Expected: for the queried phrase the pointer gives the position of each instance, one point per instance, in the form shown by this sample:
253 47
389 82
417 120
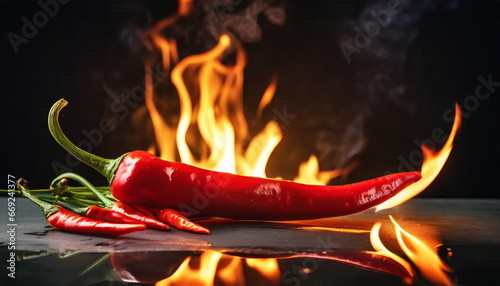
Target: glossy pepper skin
144 179
118 208
173 218
64 219
137 215
176 219
99 213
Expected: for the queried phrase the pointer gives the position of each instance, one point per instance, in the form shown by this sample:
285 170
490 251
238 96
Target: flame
185 7
228 269
309 172
268 96
211 109
433 163
232 273
427 261
382 250
168 50
203 276
161 128
267 267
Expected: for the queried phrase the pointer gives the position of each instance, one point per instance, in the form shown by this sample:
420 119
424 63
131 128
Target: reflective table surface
464 233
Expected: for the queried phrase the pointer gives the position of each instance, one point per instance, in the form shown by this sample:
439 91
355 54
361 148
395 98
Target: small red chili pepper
99 213
135 214
63 219
141 178
146 211
118 207
102 214
172 217
177 220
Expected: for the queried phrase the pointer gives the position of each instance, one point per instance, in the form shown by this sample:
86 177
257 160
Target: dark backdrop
401 85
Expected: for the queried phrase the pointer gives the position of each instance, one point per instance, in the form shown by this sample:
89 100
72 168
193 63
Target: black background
82 48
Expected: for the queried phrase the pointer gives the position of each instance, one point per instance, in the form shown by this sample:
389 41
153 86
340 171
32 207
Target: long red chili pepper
63 219
102 214
141 178
118 207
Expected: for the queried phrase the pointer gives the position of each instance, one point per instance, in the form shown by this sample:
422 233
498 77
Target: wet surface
466 234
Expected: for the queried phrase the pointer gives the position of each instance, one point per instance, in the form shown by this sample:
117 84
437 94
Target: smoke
380 39
240 18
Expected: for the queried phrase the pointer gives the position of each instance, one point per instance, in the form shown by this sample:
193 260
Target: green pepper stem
80 211
47 208
106 167
31 191
107 202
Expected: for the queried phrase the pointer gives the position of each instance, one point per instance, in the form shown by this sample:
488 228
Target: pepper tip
418 174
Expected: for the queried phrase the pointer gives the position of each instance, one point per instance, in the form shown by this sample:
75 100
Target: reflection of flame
185 275
267 267
228 269
427 261
382 250
433 163
211 109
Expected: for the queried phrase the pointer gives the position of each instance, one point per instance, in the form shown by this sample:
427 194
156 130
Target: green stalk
47 208
31 191
107 202
106 167
80 211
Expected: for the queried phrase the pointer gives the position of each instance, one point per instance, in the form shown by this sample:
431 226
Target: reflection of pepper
146 267
141 178
364 259
63 219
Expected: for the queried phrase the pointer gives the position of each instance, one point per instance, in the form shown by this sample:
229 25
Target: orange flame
203 276
232 272
427 261
228 269
268 96
161 128
433 163
267 267
382 250
309 172
211 109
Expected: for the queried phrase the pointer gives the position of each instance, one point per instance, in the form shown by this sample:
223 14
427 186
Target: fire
267 267
226 268
309 173
185 275
382 250
433 163
212 131
268 96
427 261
